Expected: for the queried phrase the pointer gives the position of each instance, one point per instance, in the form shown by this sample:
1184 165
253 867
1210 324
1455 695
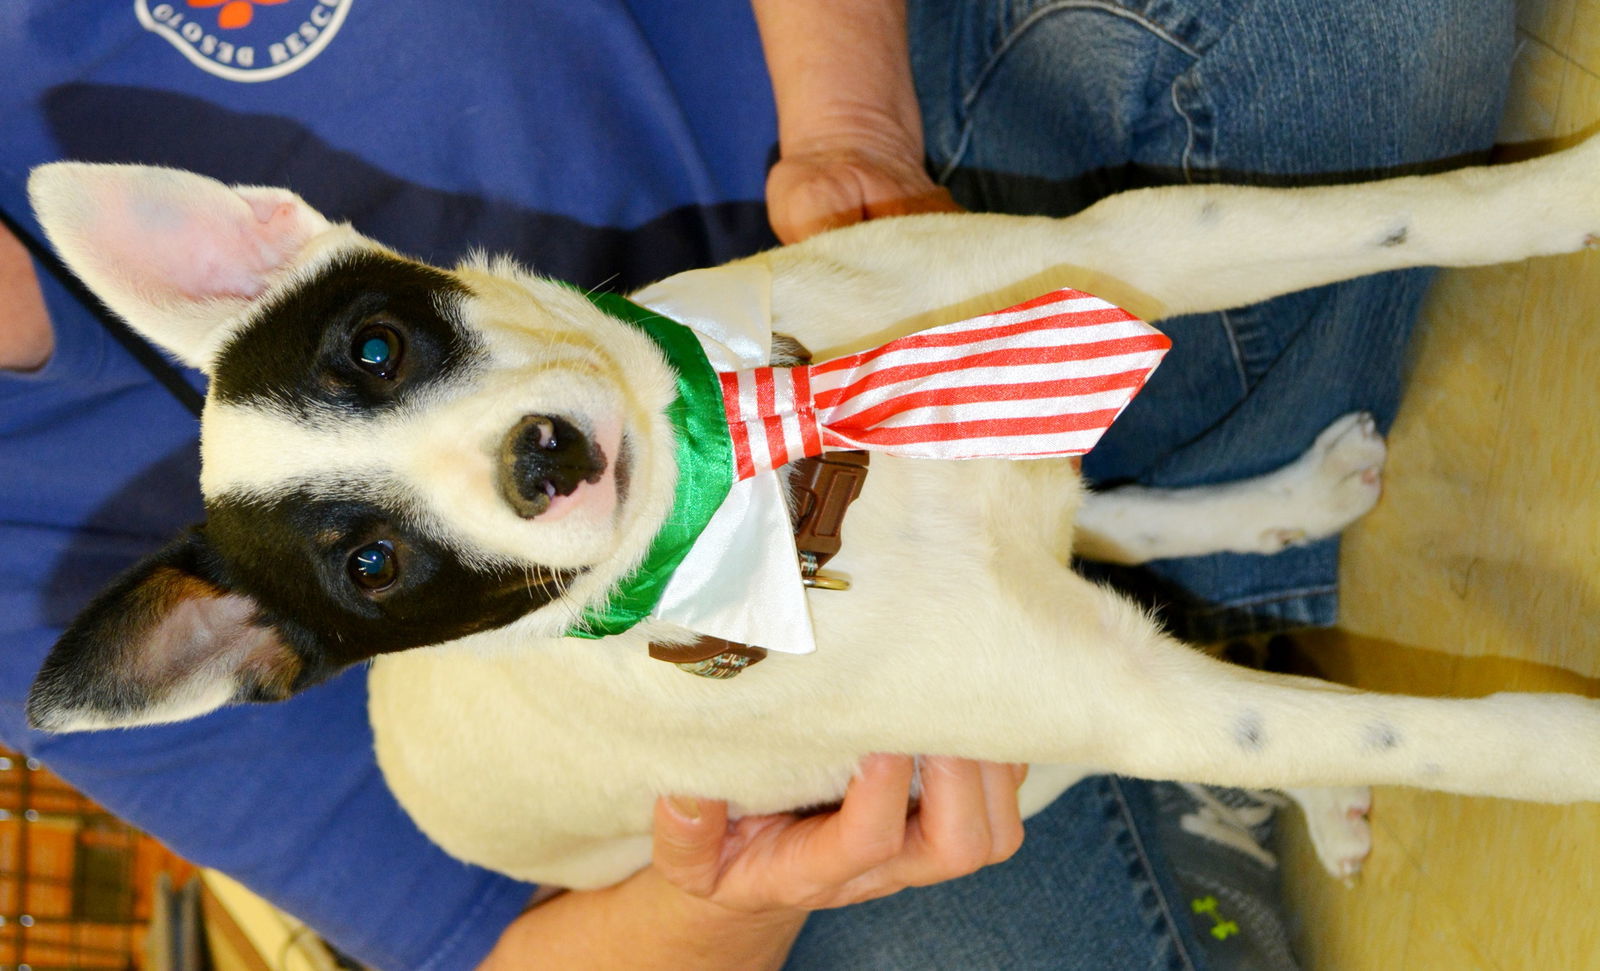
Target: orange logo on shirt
234 13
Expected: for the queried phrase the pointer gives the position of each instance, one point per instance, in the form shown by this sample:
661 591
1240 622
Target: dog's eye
374 567
377 350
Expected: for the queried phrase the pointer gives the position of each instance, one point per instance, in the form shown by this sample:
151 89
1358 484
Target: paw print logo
235 13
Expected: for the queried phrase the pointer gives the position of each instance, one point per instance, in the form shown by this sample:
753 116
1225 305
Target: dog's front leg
1333 484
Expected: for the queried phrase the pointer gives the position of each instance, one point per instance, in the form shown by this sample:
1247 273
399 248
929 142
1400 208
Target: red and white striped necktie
1044 378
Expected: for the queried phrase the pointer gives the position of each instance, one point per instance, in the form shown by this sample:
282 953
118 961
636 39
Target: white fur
184 252
1335 482
965 633
944 646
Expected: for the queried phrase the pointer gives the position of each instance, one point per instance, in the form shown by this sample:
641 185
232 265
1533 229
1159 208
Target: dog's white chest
544 760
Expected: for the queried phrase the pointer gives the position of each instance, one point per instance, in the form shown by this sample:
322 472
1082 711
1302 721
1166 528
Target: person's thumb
689 834
805 198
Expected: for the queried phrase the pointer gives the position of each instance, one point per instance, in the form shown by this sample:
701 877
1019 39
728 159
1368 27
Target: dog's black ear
165 643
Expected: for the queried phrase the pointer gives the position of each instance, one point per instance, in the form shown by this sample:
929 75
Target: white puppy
364 409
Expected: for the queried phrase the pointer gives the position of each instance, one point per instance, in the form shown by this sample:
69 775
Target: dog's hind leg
1333 484
1166 711
1179 249
1205 248
1024 661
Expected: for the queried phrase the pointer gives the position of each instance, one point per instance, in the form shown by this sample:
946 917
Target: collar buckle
821 489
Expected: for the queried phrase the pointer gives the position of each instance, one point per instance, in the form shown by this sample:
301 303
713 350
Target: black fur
290 553
261 597
305 618
296 353
101 663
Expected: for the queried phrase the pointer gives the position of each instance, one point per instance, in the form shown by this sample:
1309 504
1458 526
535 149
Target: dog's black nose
546 456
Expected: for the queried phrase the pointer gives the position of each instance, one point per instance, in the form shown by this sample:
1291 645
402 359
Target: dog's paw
1350 446
1337 822
1336 482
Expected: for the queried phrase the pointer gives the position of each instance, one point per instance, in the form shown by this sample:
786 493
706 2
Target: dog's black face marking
312 564
367 333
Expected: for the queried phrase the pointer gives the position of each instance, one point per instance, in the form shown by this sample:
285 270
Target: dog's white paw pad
1340 833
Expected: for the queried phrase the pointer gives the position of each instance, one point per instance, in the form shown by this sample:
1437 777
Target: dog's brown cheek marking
165 588
275 678
1249 733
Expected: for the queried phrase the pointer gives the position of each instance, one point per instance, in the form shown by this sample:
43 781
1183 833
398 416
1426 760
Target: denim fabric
1091 888
1043 106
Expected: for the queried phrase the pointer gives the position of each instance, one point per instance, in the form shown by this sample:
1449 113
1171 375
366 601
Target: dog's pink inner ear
223 244
204 631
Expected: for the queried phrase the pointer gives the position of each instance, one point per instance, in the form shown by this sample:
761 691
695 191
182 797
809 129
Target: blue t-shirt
596 141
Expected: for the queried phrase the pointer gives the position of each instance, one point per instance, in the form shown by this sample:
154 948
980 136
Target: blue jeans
1091 888
1043 106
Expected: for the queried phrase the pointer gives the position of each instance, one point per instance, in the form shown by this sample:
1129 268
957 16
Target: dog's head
394 455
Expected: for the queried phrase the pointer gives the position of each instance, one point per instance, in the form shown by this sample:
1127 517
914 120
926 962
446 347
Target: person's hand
821 188
849 129
25 336
871 847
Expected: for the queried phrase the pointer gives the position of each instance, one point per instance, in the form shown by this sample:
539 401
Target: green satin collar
705 468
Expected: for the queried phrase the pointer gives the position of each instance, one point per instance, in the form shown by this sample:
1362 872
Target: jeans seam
1188 136
970 97
1149 868
956 154
1227 317
1276 597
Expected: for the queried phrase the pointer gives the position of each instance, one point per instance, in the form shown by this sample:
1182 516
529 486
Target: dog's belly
544 760
514 764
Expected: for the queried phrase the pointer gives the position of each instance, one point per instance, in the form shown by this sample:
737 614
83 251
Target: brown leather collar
821 490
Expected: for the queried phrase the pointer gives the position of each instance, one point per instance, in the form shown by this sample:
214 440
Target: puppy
356 436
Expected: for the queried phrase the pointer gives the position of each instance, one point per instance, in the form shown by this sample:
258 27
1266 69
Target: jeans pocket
1038 106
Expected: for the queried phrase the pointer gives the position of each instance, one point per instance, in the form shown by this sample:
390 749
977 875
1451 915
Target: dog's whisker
540 585
574 610
600 286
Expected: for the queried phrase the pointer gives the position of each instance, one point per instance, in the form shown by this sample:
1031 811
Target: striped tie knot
1044 378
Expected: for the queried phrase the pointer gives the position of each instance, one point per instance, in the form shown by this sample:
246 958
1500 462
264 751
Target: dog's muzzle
545 456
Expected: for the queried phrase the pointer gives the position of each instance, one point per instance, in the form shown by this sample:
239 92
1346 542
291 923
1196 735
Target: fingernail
684 808
877 763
